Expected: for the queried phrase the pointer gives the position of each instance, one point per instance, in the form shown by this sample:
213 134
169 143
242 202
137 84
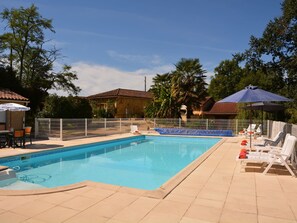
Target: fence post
179 122
36 128
268 128
61 129
105 124
236 126
86 127
154 123
206 124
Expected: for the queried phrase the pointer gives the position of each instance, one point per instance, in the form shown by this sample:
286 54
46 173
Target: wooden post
86 127
120 124
36 128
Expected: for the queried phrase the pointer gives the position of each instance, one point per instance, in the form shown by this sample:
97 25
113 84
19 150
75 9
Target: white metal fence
65 129
273 127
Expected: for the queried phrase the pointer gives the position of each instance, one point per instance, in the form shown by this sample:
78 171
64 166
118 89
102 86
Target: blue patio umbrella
253 94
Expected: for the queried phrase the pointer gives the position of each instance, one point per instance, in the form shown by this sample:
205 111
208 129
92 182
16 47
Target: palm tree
163 105
188 85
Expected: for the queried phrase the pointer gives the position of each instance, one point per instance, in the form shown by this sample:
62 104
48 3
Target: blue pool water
144 162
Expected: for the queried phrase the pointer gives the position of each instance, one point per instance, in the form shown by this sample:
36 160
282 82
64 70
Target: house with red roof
16 118
222 111
125 103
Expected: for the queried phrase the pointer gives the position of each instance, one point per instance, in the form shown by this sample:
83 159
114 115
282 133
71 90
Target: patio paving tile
11 217
156 217
85 217
56 214
209 203
192 220
121 198
79 203
274 208
11 202
115 221
216 186
204 213
180 198
98 194
288 184
32 208
32 220
241 203
193 181
267 219
2 210
212 194
168 207
137 210
186 191
56 198
230 216
110 207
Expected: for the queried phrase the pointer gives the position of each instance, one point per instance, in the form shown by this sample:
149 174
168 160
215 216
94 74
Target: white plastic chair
134 129
250 128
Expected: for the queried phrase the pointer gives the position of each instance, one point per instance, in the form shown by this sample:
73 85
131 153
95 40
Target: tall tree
23 51
23 46
63 107
276 53
26 27
226 79
270 62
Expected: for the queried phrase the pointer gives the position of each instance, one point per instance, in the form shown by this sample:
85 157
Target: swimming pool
143 162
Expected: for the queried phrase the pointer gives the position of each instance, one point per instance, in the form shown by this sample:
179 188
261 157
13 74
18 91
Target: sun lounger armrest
267 148
275 148
276 152
281 155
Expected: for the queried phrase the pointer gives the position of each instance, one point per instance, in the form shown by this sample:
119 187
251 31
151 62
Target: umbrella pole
9 120
262 122
250 125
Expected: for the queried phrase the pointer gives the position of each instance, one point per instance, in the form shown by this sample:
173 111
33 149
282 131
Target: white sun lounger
279 156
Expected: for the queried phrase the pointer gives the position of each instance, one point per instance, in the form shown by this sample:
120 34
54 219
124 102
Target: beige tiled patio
219 190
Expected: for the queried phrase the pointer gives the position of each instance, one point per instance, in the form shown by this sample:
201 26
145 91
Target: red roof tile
121 92
223 108
6 94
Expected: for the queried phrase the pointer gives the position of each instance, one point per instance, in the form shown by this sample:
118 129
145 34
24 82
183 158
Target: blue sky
115 43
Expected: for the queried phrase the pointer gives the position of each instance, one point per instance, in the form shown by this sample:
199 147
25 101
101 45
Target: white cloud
208 76
96 78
